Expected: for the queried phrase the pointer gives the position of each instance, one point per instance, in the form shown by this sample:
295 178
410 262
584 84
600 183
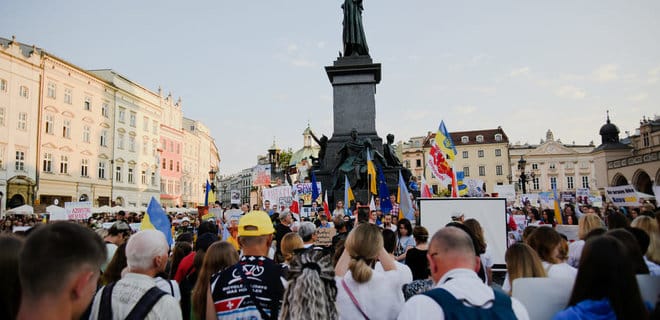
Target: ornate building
200 157
171 152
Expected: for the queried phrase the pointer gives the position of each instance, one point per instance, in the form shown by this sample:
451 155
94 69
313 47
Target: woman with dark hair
547 244
616 220
181 249
10 286
218 256
416 257
534 217
548 217
605 286
312 290
406 241
569 215
117 264
633 252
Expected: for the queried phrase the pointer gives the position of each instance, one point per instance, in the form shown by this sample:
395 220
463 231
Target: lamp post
523 177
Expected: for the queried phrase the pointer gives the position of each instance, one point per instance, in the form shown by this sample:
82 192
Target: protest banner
303 191
623 196
78 210
531 198
261 175
570 231
280 196
582 195
324 236
217 213
235 197
567 196
475 187
546 200
507 191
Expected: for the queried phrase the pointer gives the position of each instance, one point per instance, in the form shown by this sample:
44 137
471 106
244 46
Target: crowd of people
268 263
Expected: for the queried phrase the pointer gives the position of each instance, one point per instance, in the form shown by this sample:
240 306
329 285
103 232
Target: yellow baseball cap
254 224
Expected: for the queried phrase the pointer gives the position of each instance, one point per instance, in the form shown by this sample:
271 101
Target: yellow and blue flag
405 204
348 193
156 219
444 141
371 171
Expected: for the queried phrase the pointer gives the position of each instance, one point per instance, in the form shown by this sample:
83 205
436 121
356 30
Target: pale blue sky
252 70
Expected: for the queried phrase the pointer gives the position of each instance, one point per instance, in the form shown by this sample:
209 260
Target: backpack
139 311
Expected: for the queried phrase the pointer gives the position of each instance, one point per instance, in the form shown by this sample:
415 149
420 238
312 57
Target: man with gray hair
458 291
136 295
307 231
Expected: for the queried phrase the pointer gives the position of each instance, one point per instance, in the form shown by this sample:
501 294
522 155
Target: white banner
623 196
507 191
78 210
532 198
278 196
235 197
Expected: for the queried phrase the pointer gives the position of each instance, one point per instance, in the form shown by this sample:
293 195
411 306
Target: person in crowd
416 257
218 257
406 241
395 206
190 274
267 208
339 211
548 217
586 224
569 214
362 291
311 291
633 251
116 266
323 222
58 269
342 231
533 217
563 248
10 286
616 220
485 257
258 295
605 286
307 232
547 242
521 262
116 236
389 243
650 225
180 251
291 242
284 227
643 240
459 293
527 232
186 263
136 293
387 223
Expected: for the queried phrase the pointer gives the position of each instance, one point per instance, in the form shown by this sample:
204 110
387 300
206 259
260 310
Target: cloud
571 92
607 72
524 71
638 97
465 110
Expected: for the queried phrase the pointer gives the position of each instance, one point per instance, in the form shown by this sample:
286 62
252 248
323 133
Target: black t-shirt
231 297
419 265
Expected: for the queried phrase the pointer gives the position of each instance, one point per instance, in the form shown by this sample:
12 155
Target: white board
490 212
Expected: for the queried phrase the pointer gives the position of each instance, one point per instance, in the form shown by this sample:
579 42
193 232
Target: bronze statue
323 143
391 159
355 42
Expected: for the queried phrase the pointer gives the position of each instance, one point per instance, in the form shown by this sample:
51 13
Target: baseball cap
255 223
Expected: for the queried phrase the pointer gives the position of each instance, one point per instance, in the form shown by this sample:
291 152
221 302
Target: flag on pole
462 187
326 207
405 204
426 190
294 208
558 218
315 188
371 171
206 193
383 192
348 193
444 141
156 218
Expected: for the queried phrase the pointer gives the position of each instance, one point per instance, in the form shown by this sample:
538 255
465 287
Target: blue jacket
587 309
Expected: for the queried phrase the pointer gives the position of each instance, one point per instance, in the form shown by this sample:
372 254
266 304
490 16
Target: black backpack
139 311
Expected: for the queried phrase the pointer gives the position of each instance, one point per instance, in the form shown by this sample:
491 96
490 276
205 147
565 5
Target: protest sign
531 198
622 196
78 210
570 231
261 175
475 187
235 197
278 195
582 195
507 191
324 236
567 196
546 199
304 191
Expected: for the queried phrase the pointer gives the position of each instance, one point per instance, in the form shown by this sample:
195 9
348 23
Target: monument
354 77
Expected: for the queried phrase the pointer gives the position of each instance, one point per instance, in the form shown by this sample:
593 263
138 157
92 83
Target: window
178 151
120 141
87 105
52 89
131 143
118 174
48 162
178 166
87 133
121 115
465 139
145 146
153 178
104 109
163 145
498 169
67 96
171 146
104 138
645 139
585 182
20 161
164 164
2 117
22 121
84 166
465 154
480 138
535 183
143 177
3 150
569 182
482 171
553 183
154 127
66 129
162 186
3 85
130 175
552 166
24 92
50 123
535 166
145 124
466 171
101 169
64 164
133 119
498 137
498 152
480 153
418 162
171 165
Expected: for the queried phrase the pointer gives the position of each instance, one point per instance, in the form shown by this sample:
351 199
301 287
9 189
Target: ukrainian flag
371 171
443 140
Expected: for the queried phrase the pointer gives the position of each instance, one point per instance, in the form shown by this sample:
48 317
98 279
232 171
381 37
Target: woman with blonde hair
486 257
547 242
290 243
362 292
219 256
586 224
649 225
522 262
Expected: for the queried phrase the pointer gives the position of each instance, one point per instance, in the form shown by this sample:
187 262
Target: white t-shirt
574 253
172 290
559 270
486 261
110 250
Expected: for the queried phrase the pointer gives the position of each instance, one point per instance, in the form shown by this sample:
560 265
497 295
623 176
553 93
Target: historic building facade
196 169
171 153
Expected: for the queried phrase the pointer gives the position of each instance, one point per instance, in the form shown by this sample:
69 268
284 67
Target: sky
253 71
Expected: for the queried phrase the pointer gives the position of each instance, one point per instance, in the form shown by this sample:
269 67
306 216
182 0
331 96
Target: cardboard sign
623 196
78 210
324 236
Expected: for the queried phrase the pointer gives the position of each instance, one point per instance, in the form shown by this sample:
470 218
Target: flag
558 217
326 207
348 193
294 206
437 162
461 187
372 204
371 172
405 204
383 192
426 190
206 193
315 188
156 218
443 140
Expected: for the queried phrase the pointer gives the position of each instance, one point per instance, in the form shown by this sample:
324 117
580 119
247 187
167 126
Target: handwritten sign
582 195
324 236
274 195
78 210
507 191
622 196
304 191
570 231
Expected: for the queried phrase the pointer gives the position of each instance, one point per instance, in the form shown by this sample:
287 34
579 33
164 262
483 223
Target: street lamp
523 177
